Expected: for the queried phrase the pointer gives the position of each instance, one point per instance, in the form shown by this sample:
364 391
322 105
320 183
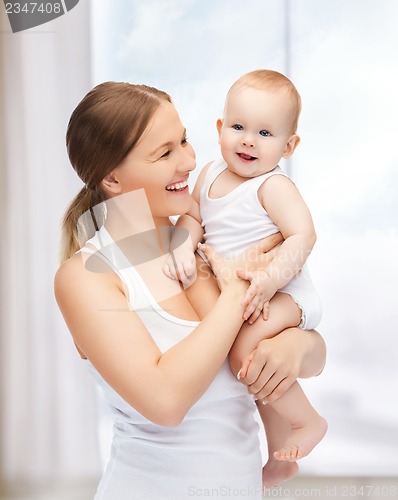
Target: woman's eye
237 126
169 151
166 154
265 133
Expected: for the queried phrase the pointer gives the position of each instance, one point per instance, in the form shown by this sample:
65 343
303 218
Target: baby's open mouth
246 157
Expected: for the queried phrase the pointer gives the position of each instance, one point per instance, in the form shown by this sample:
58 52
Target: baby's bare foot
302 440
275 472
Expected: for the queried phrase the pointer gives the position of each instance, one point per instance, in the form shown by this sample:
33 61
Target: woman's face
160 164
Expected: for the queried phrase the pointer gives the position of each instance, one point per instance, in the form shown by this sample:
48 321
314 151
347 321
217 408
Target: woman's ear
111 185
291 145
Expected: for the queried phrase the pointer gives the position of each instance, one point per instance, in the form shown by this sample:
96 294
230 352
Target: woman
184 425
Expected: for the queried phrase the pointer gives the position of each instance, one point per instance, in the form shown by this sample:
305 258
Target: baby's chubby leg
278 431
299 427
283 313
307 426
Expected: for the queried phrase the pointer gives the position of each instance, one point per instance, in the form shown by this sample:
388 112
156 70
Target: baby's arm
181 264
287 209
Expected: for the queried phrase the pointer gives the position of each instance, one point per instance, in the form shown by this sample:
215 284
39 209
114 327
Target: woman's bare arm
161 386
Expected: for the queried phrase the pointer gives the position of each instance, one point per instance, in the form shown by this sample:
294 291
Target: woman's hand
251 266
246 265
260 254
270 370
277 362
224 270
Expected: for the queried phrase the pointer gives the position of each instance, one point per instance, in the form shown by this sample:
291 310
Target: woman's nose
187 161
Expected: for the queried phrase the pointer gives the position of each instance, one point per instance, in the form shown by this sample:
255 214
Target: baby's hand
181 265
258 295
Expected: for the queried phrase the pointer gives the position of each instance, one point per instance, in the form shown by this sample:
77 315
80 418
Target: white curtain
48 404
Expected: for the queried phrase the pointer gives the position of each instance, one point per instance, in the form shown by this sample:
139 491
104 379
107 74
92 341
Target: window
345 167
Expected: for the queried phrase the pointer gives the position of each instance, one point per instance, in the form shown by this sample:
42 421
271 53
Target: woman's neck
140 236
129 214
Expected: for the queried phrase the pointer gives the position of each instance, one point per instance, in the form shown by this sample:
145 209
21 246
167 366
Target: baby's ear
219 127
291 145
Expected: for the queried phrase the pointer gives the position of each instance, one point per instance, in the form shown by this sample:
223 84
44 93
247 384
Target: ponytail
83 217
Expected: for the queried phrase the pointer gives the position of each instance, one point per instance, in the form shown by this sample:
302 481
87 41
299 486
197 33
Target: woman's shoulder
83 272
70 268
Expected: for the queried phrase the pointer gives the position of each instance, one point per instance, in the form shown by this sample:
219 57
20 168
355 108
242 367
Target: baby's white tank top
235 221
214 451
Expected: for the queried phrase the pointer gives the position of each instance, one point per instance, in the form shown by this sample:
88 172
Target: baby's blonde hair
267 79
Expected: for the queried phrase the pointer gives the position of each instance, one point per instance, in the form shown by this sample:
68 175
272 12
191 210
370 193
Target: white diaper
303 292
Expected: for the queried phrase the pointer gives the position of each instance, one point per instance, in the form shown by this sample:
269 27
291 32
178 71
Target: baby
239 200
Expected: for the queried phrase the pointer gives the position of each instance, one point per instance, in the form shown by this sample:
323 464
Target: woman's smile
178 187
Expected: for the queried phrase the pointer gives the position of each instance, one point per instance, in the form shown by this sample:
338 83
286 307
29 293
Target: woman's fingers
264 245
273 390
270 242
270 381
261 365
244 275
278 391
258 376
245 365
266 378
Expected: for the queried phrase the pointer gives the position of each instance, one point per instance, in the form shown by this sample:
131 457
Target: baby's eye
265 133
237 126
184 141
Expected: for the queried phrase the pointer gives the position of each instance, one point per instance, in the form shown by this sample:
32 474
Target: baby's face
255 131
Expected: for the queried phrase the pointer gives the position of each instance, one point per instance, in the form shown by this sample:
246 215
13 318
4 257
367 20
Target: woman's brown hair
102 130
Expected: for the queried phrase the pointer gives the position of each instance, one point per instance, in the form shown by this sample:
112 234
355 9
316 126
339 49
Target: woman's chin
180 202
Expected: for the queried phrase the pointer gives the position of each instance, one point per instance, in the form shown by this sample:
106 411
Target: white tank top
215 448
235 221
